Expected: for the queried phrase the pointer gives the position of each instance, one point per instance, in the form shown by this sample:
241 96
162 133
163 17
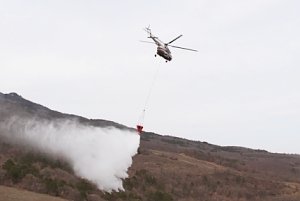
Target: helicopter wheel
166 61
155 55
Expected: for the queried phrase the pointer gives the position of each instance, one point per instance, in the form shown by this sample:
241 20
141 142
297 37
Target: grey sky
85 58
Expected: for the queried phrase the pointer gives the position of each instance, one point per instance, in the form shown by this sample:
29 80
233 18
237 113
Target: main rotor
160 43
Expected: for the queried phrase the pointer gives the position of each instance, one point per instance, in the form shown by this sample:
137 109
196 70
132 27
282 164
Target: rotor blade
146 42
173 40
183 48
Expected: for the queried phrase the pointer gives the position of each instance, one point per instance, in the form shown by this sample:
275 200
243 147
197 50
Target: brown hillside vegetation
188 170
166 168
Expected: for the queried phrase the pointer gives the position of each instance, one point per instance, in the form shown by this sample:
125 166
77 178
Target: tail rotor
148 30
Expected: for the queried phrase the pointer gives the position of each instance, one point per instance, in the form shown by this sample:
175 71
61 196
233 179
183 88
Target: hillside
166 168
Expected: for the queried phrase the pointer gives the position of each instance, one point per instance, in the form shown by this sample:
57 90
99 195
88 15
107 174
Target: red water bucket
139 129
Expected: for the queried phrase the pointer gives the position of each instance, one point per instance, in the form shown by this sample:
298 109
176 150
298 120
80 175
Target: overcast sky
241 88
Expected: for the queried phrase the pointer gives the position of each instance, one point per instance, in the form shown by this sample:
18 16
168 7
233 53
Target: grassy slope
14 194
176 169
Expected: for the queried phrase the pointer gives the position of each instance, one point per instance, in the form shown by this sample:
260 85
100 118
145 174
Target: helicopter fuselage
162 49
164 52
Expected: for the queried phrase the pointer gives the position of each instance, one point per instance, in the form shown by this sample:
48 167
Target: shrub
84 187
16 171
13 171
159 195
30 158
53 186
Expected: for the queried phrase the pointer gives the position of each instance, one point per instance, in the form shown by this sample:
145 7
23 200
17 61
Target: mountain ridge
166 168
16 102
100 122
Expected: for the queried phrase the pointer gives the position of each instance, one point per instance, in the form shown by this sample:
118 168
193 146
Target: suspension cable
142 116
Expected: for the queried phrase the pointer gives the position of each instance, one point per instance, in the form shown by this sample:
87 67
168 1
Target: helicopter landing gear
166 61
155 55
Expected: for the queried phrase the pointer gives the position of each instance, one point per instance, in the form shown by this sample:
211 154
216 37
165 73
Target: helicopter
162 48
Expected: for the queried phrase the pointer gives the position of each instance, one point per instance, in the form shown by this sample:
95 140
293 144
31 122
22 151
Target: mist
100 155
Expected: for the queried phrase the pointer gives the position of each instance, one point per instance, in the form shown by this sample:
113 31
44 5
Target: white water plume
100 155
